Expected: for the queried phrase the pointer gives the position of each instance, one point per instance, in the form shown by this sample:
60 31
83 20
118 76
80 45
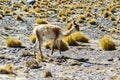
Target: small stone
111 59
31 1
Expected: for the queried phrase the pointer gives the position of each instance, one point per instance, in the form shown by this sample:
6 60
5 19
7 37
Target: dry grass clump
68 26
18 5
12 13
69 40
92 21
25 9
32 38
88 14
32 64
1 16
81 18
111 8
63 18
79 37
19 18
6 11
12 42
62 13
8 28
114 31
37 9
69 11
79 6
41 21
8 69
106 14
47 74
63 45
112 18
107 43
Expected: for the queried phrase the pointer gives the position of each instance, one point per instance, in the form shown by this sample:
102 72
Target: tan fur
52 32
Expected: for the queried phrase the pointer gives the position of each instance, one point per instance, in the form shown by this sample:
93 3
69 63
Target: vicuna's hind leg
53 43
59 47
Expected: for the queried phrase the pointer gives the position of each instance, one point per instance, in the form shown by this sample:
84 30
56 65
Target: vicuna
52 32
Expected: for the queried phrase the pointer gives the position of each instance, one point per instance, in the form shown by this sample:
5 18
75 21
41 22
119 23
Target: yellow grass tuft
32 38
107 43
92 21
79 6
81 18
106 14
68 26
25 9
41 21
112 18
38 10
88 14
1 16
63 45
62 13
8 69
79 37
69 40
12 42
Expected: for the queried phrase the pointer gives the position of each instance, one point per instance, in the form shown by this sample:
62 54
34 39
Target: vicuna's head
75 26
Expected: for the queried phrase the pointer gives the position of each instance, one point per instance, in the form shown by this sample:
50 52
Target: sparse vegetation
25 9
69 40
32 38
68 26
79 37
107 43
7 69
12 42
1 16
106 14
92 21
41 21
38 10
63 45
81 18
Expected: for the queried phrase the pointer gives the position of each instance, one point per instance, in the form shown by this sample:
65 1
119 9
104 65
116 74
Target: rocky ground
87 61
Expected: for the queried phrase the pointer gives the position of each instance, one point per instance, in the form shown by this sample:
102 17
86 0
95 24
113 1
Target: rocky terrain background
87 61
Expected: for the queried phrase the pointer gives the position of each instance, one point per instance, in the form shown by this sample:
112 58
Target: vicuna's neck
68 32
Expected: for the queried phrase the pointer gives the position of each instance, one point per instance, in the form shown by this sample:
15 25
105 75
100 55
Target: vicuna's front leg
34 51
40 39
